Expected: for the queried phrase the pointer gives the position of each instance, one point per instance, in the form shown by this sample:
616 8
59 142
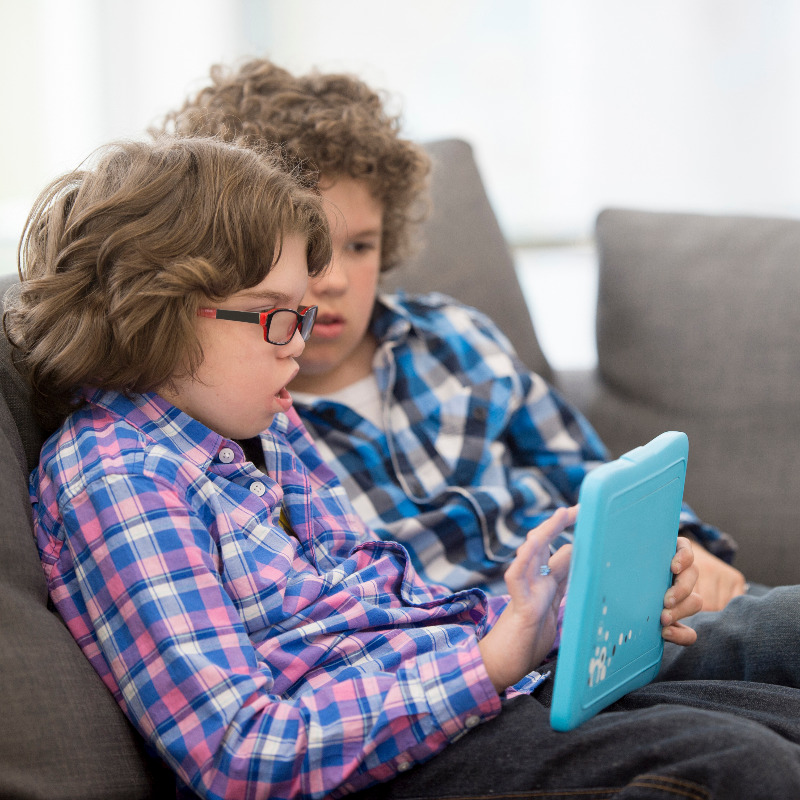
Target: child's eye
359 248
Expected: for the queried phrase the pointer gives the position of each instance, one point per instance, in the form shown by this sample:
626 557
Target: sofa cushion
693 307
698 329
17 396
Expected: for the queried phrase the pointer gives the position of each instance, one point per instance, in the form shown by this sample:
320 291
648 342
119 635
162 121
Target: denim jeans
722 720
754 638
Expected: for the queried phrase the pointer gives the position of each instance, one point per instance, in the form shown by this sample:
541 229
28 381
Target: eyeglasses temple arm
238 316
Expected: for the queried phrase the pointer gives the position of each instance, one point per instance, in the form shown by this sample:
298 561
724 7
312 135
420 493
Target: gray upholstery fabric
698 329
465 254
62 736
17 398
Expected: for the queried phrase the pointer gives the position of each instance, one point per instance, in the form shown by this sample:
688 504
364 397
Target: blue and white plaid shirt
474 449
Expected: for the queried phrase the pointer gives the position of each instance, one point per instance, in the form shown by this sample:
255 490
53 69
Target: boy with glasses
260 638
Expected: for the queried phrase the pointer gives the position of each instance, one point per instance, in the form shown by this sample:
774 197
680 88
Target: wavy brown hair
334 123
117 257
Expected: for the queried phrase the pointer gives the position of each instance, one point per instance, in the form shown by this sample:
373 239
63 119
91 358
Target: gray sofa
697 330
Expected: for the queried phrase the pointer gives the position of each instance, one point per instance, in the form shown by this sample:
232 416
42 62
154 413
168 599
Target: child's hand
681 600
525 632
717 582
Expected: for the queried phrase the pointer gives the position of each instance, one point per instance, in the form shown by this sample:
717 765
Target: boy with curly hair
442 438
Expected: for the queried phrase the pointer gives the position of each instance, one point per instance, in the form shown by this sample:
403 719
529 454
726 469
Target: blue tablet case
625 538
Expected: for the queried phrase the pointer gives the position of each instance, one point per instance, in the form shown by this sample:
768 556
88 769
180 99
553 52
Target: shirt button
403 766
258 488
226 455
471 721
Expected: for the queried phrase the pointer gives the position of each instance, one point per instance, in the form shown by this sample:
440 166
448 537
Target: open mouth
282 396
284 399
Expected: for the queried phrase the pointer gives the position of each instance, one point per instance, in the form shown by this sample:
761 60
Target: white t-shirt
362 396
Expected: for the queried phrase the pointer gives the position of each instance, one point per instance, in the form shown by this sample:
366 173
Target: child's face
241 383
340 349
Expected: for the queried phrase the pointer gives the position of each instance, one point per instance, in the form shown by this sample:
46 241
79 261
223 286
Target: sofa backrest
465 254
698 329
28 436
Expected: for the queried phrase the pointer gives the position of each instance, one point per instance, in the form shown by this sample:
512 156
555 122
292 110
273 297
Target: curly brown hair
117 257
334 123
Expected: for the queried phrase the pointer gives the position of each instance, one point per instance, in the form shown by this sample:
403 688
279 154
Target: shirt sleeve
714 540
551 435
190 679
550 442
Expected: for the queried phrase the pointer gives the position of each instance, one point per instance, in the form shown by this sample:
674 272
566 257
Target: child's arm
228 718
525 631
548 433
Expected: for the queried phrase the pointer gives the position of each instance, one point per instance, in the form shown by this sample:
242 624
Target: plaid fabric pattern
257 663
475 450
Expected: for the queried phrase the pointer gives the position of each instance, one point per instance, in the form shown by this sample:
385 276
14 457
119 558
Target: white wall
577 104
77 73
571 105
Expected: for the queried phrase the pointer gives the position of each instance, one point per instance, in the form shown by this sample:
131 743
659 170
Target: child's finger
555 567
688 606
679 634
684 556
533 556
554 525
682 586
559 563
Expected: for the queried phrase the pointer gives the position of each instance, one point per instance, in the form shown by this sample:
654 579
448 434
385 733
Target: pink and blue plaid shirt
258 662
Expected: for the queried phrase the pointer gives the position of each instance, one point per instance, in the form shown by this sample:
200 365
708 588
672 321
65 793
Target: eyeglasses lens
284 322
282 325
309 318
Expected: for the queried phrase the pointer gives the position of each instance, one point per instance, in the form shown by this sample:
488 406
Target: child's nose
334 279
295 346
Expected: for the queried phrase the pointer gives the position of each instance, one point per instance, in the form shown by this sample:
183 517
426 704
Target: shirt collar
391 319
162 422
